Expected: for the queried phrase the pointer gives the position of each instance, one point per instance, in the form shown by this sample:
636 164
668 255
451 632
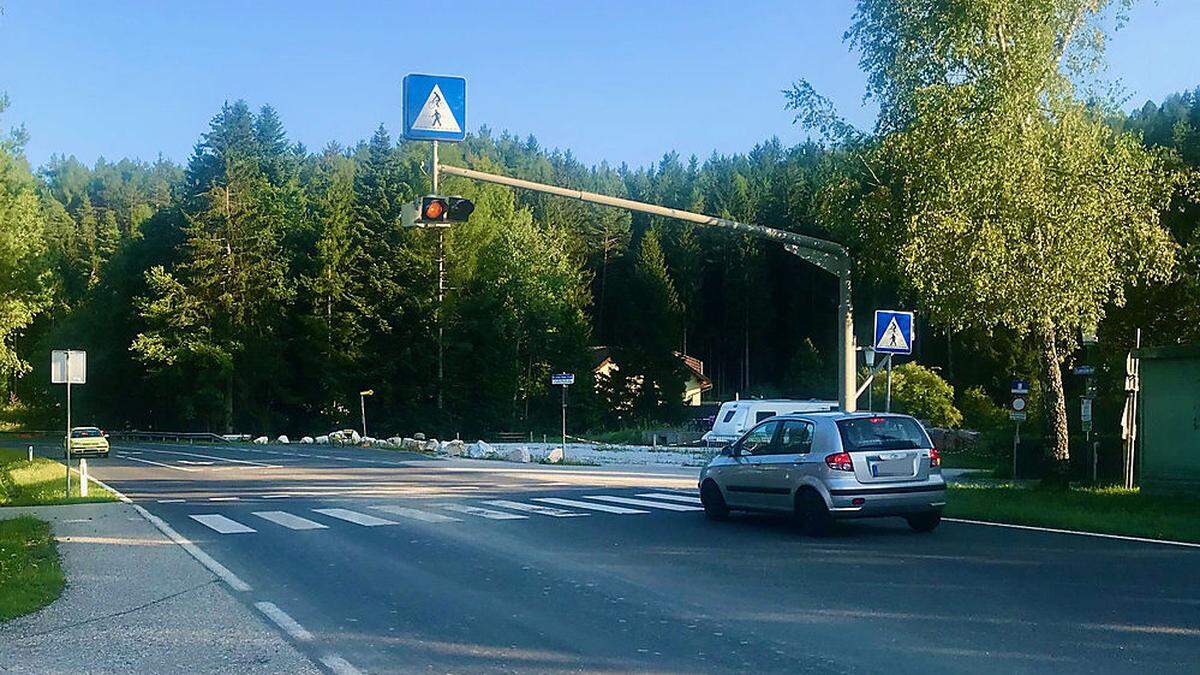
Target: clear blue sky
616 80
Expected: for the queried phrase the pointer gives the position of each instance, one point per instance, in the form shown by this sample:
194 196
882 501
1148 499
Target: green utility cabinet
1169 450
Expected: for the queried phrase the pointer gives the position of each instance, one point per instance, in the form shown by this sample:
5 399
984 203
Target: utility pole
827 255
362 404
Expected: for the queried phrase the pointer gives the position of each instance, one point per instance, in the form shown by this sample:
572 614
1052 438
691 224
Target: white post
83 478
68 442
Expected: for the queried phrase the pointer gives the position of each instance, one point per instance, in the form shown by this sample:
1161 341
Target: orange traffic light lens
434 209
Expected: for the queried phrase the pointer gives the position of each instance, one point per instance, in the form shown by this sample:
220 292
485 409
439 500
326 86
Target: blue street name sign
893 331
435 107
1020 386
562 379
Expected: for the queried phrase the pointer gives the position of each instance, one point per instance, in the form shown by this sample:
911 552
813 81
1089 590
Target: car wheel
813 514
714 504
105 455
924 522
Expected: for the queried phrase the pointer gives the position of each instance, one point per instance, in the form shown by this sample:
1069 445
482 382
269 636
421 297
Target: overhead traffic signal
437 211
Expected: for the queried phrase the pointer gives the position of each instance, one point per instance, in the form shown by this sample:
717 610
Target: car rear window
85 433
882 433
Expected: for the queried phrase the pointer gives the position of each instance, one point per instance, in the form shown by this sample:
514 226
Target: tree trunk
1057 448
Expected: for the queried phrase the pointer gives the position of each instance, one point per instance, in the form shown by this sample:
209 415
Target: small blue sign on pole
1020 386
893 331
435 107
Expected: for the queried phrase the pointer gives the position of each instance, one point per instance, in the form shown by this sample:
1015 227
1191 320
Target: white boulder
454 449
282 439
518 454
320 440
369 440
261 440
480 449
410 444
419 436
307 440
555 456
431 445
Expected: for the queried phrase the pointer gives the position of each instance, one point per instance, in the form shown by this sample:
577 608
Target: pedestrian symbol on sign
893 331
435 115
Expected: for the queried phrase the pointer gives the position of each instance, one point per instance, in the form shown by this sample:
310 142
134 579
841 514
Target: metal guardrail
189 436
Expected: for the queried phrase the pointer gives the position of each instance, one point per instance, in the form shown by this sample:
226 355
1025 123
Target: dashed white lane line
221 524
290 521
339 665
686 499
417 514
231 460
287 623
355 517
276 496
606 508
646 503
482 512
171 501
224 499
534 508
165 466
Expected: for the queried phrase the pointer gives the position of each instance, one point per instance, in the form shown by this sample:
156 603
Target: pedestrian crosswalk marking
686 499
292 522
417 514
642 502
606 508
482 512
355 517
221 524
534 508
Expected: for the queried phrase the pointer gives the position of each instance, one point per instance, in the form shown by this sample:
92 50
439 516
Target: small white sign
1085 410
563 379
436 114
68 365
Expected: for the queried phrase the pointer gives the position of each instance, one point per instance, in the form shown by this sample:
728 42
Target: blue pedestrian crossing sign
435 107
893 331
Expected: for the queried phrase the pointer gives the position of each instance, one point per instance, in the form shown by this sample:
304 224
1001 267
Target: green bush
920 392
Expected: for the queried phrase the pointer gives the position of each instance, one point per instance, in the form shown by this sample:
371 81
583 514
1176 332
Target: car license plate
892 467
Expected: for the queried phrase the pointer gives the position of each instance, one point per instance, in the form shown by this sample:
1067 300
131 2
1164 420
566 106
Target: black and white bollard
83 477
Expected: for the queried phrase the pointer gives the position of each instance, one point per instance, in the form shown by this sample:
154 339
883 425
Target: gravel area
136 602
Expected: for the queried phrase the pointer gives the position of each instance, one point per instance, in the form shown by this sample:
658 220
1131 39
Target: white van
735 417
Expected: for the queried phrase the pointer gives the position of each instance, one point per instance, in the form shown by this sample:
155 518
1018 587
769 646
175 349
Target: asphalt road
385 559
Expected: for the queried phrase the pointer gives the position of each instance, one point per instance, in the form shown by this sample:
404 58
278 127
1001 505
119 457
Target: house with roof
694 386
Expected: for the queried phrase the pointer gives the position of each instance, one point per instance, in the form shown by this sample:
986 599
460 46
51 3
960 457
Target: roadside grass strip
41 482
1112 511
31 576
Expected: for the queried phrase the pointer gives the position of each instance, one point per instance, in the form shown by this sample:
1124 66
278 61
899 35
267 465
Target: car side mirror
730 450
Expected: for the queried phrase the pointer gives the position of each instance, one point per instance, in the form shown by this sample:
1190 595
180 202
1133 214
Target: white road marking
222 524
224 499
481 512
275 496
687 499
339 665
1101 535
642 502
218 458
607 508
287 623
170 501
192 462
167 466
213 566
535 508
417 514
290 521
355 517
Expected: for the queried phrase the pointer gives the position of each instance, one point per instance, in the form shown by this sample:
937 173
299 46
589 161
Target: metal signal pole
827 255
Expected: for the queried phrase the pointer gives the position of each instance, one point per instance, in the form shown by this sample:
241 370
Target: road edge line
233 580
339 665
284 621
1081 533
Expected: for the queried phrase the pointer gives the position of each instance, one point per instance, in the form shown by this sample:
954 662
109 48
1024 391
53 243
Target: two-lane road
395 563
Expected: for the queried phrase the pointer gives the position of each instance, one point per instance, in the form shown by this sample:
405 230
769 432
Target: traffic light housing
437 211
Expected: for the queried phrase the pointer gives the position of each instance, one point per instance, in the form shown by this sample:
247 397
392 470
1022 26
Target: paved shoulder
135 601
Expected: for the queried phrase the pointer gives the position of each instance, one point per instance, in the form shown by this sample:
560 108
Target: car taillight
935 458
840 462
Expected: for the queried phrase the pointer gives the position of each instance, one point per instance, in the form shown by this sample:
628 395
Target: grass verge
41 482
1105 510
30 574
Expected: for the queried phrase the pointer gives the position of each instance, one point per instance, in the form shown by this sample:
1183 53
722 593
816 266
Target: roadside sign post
893 335
362 404
435 109
68 366
1020 401
563 380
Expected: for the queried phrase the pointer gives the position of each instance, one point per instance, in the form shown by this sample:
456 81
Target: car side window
728 416
758 440
763 414
796 438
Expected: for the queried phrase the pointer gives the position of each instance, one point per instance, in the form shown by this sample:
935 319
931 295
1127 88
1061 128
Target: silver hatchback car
826 466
